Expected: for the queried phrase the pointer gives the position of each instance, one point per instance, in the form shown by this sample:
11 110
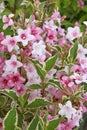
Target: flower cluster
52 59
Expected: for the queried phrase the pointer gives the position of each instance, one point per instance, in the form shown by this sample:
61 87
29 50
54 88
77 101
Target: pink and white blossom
10 43
73 33
24 36
67 110
12 65
7 20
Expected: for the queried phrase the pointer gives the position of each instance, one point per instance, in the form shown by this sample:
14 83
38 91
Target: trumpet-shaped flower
7 20
10 43
39 49
24 36
67 110
73 33
12 65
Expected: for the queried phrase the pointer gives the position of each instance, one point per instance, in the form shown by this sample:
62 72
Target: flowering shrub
43 70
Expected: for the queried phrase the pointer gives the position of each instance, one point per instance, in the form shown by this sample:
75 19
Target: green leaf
34 123
40 127
11 3
39 68
50 63
3 101
73 53
55 83
52 125
10 93
20 119
35 86
38 102
10 120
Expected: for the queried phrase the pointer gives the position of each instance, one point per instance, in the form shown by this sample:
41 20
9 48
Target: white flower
38 49
12 65
67 110
73 33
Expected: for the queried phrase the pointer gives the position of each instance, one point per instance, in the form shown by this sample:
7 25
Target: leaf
40 127
20 119
73 53
3 101
10 93
11 2
33 124
53 124
39 68
55 83
35 86
50 63
10 120
38 102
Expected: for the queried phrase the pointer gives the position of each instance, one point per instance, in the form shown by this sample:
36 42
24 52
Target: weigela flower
7 20
4 82
51 37
15 79
12 65
81 4
10 43
73 33
67 110
20 89
49 25
38 49
32 75
81 51
24 36
79 78
36 32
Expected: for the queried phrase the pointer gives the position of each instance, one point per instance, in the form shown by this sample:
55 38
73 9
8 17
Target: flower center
51 37
12 42
23 36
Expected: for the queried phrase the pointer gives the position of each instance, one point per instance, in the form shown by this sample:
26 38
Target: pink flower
20 89
24 36
83 62
12 65
73 33
36 31
15 79
4 82
51 37
49 25
10 43
7 21
67 110
79 78
81 51
81 4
